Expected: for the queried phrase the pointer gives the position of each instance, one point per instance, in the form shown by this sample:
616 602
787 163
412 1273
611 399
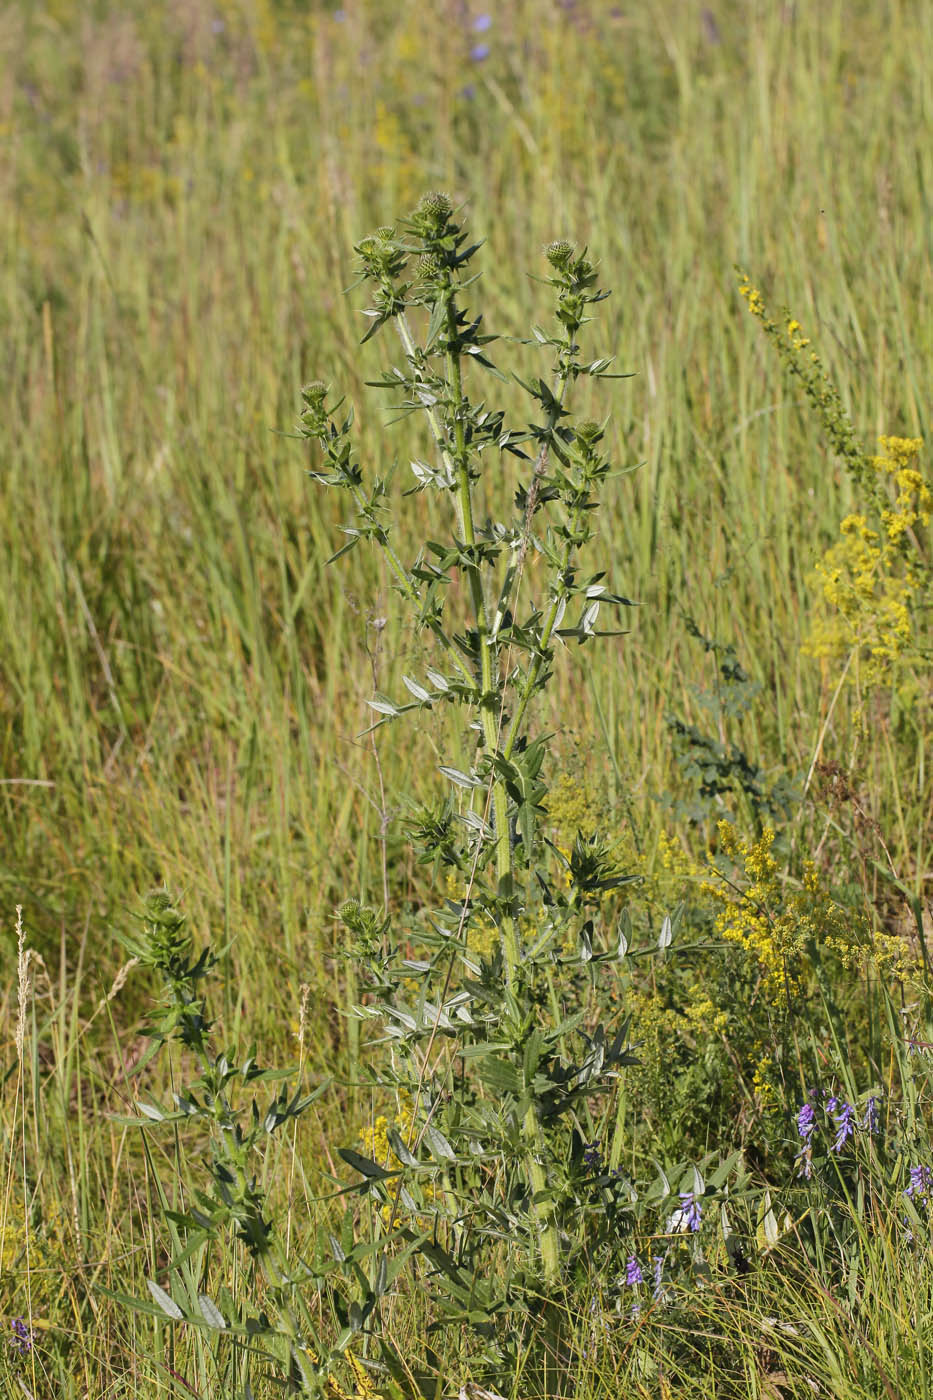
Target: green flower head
432 216
315 393
436 206
559 253
588 431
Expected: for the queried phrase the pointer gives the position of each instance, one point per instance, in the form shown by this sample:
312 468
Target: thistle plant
488 1178
498 1160
221 1100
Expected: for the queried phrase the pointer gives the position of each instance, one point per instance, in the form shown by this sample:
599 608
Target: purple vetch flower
479 52
21 1341
482 23
657 1270
592 1156
921 1182
845 1125
690 1211
633 1273
870 1119
806 1122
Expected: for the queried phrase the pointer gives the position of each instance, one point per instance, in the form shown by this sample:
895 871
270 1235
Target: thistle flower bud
432 214
429 265
167 942
315 393
559 253
313 422
435 206
382 260
588 431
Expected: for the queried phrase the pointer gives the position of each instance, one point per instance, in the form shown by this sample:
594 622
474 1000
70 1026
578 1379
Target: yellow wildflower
868 578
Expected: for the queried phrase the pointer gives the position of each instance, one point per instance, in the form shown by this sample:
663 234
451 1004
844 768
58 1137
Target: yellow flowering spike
869 579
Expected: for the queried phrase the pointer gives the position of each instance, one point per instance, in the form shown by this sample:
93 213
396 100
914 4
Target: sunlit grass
180 186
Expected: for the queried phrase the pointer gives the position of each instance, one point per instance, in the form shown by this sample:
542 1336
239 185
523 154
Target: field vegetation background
182 680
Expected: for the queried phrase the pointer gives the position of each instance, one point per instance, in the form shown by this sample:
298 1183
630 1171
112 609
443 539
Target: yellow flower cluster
885 953
797 340
674 859
661 1026
572 808
482 934
914 502
763 1084
773 926
375 1139
868 579
374 1142
756 302
702 1015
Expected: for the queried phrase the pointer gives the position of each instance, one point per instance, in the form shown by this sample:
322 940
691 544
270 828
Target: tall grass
182 681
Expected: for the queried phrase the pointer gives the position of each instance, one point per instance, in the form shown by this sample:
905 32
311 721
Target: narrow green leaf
165 1301
438 1144
211 1313
364 1165
461 779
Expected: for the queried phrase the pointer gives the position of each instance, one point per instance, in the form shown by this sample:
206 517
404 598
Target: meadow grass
182 679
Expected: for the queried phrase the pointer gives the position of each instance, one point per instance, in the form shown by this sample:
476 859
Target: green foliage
497 1066
718 768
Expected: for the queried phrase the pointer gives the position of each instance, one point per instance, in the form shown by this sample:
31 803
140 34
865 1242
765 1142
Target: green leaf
384 707
365 1166
438 1144
211 1313
140 1305
400 1149
767 1232
456 776
418 691
165 1301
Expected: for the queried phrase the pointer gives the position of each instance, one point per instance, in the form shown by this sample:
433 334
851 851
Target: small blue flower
806 1122
870 1120
633 1273
921 1182
21 1341
845 1126
482 23
592 1156
479 52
